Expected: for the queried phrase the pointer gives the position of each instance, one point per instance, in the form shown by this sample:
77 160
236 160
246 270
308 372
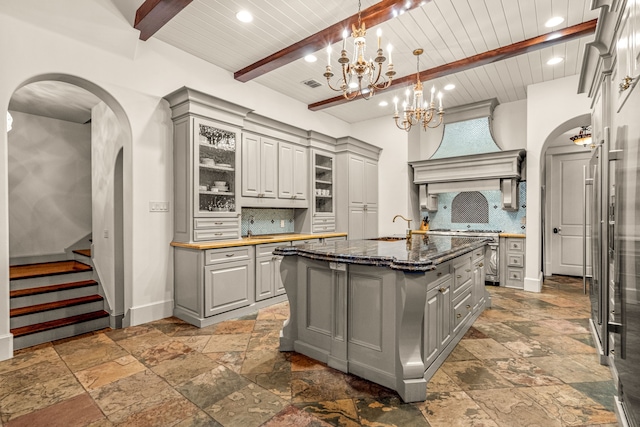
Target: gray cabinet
259 166
206 135
363 181
324 177
437 319
478 290
357 194
513 262
268 279
293 171
228 280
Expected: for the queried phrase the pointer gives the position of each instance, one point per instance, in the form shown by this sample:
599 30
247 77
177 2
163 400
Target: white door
567 213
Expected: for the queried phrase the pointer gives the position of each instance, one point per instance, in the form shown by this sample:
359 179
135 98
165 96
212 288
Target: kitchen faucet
408 225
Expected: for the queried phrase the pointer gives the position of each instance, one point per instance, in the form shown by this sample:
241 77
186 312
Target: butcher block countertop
513 235
256 240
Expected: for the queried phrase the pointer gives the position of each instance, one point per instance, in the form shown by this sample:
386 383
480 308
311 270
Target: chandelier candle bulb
440 99
379 34
433 90
390 48
329 55
345 33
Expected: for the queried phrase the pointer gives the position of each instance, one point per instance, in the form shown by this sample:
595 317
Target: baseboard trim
115 321
150 312
6 347
534 285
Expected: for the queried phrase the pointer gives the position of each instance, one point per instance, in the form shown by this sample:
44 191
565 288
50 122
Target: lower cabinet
437 319
363 222
227 286
477 290
268 279
513 249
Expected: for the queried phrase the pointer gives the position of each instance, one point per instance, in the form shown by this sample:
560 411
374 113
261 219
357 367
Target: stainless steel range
492 256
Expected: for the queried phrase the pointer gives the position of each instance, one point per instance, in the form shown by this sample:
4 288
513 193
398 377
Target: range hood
468 159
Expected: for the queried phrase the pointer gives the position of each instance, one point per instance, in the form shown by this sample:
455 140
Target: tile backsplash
499 219
465 138
266 221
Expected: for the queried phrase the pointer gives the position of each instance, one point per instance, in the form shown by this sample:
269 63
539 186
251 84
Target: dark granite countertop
423 253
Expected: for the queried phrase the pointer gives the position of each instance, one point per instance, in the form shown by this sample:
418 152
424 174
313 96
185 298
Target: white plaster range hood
453 169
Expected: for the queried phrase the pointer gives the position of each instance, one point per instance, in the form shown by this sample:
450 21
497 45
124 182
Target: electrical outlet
105 234
523 220
282 223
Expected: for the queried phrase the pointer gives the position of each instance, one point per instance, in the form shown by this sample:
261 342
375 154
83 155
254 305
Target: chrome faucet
408 225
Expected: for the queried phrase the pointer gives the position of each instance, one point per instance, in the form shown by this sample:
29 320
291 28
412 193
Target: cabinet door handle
229 255
442 290
481 265
217 234
515 276
467 270
218 223
439 274
468 307
275 258
459 276
294 196
459 315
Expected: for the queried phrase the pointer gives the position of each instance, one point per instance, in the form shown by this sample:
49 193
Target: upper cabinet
293 171
206 136
259 166
627 69
275 164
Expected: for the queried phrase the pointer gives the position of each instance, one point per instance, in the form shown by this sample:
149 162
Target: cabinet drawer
435 277
515 277
212 223
461 311
305 242
461 274
333 239
478 254
267 248
319 228
515 260
216 256
515 245
215 234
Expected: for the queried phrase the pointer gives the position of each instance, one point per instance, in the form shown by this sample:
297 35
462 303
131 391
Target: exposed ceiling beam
372 16
153 14
499 54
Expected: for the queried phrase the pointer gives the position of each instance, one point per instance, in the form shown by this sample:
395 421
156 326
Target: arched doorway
119 174
561 164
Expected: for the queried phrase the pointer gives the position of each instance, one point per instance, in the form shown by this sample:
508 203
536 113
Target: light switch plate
158 206
282 223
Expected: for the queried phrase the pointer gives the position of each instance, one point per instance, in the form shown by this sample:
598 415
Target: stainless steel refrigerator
623 245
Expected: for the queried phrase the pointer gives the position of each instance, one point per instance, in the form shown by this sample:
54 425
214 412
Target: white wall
551 107
510 125
49 185
107 139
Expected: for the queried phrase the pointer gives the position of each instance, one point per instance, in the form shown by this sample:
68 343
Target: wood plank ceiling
447 30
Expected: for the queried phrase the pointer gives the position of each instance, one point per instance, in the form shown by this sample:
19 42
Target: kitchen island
387 311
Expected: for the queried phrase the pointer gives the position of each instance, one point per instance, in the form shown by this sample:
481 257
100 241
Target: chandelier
360 77
415 111
583 137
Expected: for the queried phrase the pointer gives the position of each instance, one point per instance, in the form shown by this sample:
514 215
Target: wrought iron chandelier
415 111
583 137
360 77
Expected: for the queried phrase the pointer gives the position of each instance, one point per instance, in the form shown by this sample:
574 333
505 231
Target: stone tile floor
528 361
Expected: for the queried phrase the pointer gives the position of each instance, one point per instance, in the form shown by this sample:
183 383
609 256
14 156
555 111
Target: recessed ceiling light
555 60
450 86
244 16
556 20
310 58
383 103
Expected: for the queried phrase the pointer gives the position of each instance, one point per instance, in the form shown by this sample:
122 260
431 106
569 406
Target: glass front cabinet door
215 169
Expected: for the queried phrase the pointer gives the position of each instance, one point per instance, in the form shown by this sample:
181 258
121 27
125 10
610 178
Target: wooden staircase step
29 271
22 311
53 324
83 252
51 288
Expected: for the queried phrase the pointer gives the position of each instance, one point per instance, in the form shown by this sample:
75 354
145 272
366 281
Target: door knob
556 230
